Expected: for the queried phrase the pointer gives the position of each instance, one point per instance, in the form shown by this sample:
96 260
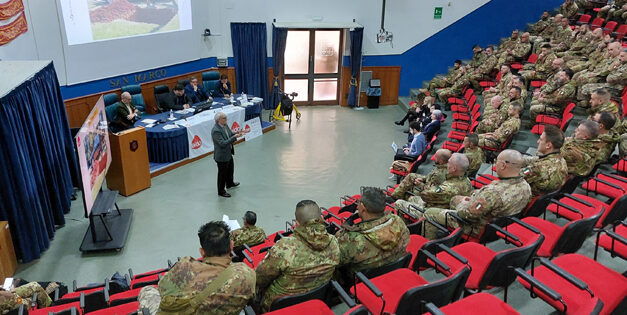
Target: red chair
596 23
565 121
608 185
584 19
537 83
465 126
621 31
486 84
67 308
461 108
613 240
476 304
128 308
621 166
466 93
548 119
460 135
581 285
459 116
609 27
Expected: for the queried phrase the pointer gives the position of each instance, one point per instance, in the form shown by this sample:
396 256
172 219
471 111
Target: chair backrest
584 18
609 27
597 22
402 262
183 82
574 234
500 271
498 76
319 293
621 31
568 117
439 293
434 248
209 80
624 101
110 99
538 206
136 93
468 94
110 111
160 92
533 58
572 181
569 108
618 212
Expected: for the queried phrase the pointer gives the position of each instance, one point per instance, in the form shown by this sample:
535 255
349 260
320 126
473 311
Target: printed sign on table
199 128
253 126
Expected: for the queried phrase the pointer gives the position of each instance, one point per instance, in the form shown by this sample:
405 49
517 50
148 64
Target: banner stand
108 228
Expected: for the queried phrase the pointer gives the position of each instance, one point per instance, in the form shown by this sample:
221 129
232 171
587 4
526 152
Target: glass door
312 66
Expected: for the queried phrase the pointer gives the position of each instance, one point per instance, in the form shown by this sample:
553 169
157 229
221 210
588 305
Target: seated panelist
195 92
223 87
176 100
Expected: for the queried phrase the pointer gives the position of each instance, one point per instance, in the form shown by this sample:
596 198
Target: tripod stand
285 108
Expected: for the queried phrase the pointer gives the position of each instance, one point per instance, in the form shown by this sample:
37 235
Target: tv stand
108 224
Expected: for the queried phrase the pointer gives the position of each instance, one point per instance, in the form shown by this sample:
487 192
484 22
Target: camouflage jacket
562 96
607 107
189 277
23 294
501 198
477 59
617 78
372 243
550 28
492 121
521 50
580 155
544 63
440 196
249 234
435 177
608 143
509 127
606 66
509 43
476 157
504 82
489 63
538 27
562 35
507 103
299 263
545 173
569 11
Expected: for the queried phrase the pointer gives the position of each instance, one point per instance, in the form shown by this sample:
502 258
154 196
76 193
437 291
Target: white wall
411 21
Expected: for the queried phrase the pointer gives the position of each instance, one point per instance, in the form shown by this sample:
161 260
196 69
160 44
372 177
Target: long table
167 145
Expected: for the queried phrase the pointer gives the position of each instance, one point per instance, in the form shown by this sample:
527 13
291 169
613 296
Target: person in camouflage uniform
483 71
615 80
622 146
510 127
551 84
547 34
189 277
456 184
493 116
513 97
23 295
504 197
614 11
543 23
558 99
564 38
380 238
601 101
580 151
569 9
582 37
547 171
598 73
592 59
477 59
300 263
249 234
542 67
416 182
504 82
439 82
514 50
608 138
475 155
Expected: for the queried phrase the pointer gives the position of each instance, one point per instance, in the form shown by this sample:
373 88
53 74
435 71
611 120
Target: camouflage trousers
149 298
437 215
409 206
437 83
529 75
488 142
577 65
622 146
24 295
445 93
584 77
485 126
540 109
407 185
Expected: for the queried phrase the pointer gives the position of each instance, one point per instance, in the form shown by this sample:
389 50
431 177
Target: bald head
613 49
307 210
508 163
442 156
458 164
496 101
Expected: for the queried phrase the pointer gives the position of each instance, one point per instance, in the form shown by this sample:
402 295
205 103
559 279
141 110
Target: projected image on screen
94 20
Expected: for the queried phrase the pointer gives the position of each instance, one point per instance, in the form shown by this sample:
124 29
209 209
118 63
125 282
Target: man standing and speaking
223 139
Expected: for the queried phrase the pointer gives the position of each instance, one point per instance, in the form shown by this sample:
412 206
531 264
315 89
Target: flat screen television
94 153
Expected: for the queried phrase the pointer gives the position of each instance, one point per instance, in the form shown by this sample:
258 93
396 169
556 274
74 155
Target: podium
8 262
129 171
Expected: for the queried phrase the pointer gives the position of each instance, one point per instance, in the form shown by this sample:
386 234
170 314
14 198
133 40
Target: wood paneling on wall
390 79
78 108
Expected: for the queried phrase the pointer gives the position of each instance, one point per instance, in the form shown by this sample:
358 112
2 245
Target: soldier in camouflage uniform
615 80
439 82
189 277
23 295
510 127
475 155
580 151
608 138
299 263
547 171
483 71
380 238
613 11
598 73
514 50
582 39
600 101
555 101
501 198
564 38
456 184
590 60
477 59
504 82
543 23
513 97
249 234
416 182
622 146
569 9
542 67
493 117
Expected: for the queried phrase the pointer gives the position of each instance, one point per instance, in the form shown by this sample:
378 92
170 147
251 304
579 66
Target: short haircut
473 139
414 125
516 107
215 238
591 127
223 76
443 154
569 73
546 46
517 89
458 61
373 199
307 210
607 119
603 93
438 114
179 87
218 116
250 217
461 160
554 135
506 65
192 78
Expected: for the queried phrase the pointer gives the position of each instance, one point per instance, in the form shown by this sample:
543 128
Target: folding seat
476 304
552 119
403 291
136 96
460 135
490 268
482 179
123 297
531 59
608 185
452 146
621 167
487 84
347 200
564 121
91 298
621 32
613 240
465 126
459 116
414 165
464 108
148 273
576 284
584 19
609 27
466 92
146 281
128 308
65 309
558 239
596 23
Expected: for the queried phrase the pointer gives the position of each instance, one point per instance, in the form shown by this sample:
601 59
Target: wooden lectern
8 263
129 171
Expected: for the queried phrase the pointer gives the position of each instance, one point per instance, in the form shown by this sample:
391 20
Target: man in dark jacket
176 100
223 139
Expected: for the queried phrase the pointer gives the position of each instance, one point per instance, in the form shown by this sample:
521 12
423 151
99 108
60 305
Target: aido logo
196 142
235 127
247 129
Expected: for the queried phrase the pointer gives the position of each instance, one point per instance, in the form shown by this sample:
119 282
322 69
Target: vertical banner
17 27
10 8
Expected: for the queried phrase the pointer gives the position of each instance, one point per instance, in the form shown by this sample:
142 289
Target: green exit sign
437 13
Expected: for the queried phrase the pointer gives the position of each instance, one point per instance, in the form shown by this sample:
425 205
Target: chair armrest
437 225
343 295
336 225
618 178
587 204
74 285
130 272
564 274
525 225
81 300
248 248
368 284
33 303
439 265
456 217
431 308
596 179
335 216
533 282
455 255
248 310
247 257
617 237
565 206
509 237
170 264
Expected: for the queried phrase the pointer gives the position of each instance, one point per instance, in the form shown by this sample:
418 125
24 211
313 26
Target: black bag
286 105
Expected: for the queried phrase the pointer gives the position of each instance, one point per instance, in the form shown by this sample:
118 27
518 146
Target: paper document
149 125
168 127
233 224
8 282
394 147
149 121
257 99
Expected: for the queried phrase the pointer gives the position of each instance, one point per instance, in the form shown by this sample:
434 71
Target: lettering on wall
138 78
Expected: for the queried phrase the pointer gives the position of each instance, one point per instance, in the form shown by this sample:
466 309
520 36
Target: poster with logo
199 128
253 127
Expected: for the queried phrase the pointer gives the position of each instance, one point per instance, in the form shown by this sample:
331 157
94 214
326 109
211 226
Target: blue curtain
279 39
36 161
356 36
251 58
